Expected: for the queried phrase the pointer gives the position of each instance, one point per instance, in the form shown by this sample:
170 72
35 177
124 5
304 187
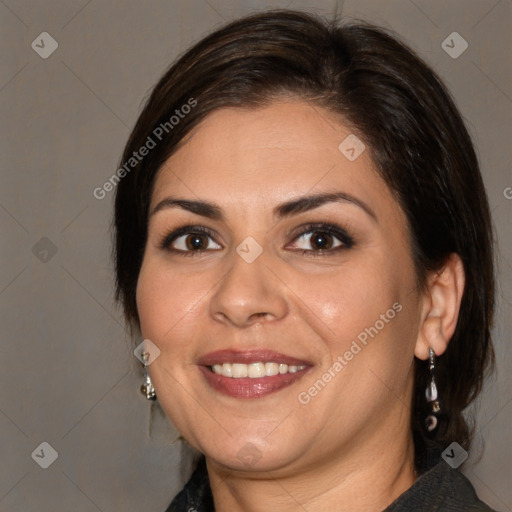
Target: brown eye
189 239
314 241
321 240
196 241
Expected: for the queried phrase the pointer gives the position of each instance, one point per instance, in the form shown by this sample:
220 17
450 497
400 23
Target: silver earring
432 395
147 388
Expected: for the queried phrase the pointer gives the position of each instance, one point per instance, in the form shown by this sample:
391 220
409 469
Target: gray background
67 372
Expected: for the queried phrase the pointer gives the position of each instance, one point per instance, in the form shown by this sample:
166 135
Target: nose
248 293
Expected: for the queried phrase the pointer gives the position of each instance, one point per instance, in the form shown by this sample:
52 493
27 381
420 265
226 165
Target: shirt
440 488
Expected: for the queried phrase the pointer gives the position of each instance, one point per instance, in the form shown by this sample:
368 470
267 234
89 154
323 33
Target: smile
254 370
251 374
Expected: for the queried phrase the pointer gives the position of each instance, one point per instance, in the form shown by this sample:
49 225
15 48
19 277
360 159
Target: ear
441 305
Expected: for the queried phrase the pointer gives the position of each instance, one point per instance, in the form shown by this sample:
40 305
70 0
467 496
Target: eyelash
347 242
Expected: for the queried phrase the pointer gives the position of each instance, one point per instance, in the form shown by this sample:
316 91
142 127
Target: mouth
254 370
251 374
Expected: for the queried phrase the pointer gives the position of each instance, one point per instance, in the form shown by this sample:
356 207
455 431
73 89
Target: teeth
271 369
239 370
254 370
227 370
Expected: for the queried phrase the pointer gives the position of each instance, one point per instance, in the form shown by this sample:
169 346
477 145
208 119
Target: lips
252 385
248 357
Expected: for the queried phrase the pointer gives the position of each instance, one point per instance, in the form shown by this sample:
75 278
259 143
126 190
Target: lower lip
247 387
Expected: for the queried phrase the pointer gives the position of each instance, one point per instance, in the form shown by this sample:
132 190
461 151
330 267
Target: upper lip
249 356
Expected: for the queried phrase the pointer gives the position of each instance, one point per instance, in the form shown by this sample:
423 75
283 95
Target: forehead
273 153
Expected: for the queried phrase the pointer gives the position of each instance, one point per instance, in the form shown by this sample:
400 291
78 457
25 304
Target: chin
250 453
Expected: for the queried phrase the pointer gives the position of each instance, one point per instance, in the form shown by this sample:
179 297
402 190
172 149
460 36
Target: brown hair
400 109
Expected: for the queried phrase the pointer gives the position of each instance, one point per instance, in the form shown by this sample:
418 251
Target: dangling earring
431 395
147 388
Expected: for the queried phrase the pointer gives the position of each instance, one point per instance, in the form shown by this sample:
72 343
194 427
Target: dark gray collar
439 488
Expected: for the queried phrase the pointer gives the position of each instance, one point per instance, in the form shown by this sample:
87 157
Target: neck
367 480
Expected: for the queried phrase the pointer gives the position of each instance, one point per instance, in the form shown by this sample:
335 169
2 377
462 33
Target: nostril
259 315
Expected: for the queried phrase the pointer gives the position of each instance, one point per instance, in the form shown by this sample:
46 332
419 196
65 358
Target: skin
321 455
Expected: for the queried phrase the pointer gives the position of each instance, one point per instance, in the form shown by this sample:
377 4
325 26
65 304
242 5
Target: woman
303 234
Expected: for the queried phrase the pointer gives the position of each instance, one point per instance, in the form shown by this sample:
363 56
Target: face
286 326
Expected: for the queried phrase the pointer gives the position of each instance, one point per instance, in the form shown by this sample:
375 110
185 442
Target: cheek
149 301
162 300
351 299
173 307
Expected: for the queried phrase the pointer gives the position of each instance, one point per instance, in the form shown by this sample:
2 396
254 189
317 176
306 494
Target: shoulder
196 496
440 489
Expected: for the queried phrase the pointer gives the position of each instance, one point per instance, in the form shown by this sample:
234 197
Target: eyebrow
292 207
